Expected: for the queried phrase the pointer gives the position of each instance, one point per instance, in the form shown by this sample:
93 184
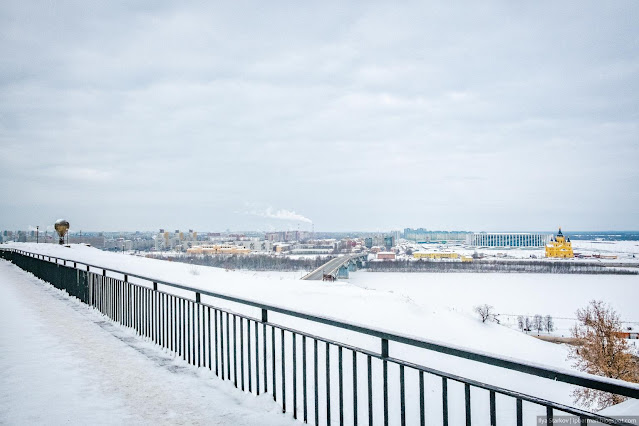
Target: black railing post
304 391
199 334
402 395
315 377
216 340
340 385
328 384
493 409
385 376
467 400
445 401
370 389
422 405
228 347
354 388
241 353
273 372
208 318
265 369
294 343
257 360
283 364
248 355
221 346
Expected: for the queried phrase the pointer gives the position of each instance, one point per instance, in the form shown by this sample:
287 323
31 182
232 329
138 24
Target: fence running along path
261 356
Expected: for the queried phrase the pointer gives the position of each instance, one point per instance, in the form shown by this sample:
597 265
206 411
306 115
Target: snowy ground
558 295
63 363
437 308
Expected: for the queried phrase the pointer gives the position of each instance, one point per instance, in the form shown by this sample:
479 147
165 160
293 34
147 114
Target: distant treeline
498 266
255 262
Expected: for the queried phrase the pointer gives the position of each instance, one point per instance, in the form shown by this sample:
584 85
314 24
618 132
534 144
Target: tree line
526 266
255 262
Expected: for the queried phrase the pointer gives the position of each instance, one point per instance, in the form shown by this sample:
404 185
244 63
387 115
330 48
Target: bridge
338 267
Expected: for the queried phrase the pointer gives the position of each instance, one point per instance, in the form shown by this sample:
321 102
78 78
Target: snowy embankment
63 363
399 312
557 295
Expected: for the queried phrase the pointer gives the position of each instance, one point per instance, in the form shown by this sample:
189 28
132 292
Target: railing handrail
605 384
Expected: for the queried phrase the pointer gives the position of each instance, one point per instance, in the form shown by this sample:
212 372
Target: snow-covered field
558 295
430 306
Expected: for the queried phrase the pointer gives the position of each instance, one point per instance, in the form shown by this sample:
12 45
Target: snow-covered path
63 363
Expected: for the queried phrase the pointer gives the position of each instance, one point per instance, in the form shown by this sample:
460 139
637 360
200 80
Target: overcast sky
262 115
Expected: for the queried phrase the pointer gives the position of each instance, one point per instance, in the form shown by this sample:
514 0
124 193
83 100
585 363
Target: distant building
386 255
435 255
381 240
559 247
422 235
164 240
255 245
505 239
285 236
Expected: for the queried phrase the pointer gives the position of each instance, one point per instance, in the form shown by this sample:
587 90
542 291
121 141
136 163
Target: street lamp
37 237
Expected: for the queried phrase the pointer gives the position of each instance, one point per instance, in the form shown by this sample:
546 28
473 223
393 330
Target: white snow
558 295
63 363
430 306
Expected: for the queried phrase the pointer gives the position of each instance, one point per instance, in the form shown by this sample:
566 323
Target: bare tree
527 323
538 323
601 350
520 322
549 324
485 312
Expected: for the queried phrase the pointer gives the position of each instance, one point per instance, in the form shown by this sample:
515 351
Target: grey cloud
462 116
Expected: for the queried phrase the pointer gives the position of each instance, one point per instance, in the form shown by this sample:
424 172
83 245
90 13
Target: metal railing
319 379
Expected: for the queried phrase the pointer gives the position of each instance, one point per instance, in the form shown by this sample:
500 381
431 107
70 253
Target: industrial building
386 255
505 239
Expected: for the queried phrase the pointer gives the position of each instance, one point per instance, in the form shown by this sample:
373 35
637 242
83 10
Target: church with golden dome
559 247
